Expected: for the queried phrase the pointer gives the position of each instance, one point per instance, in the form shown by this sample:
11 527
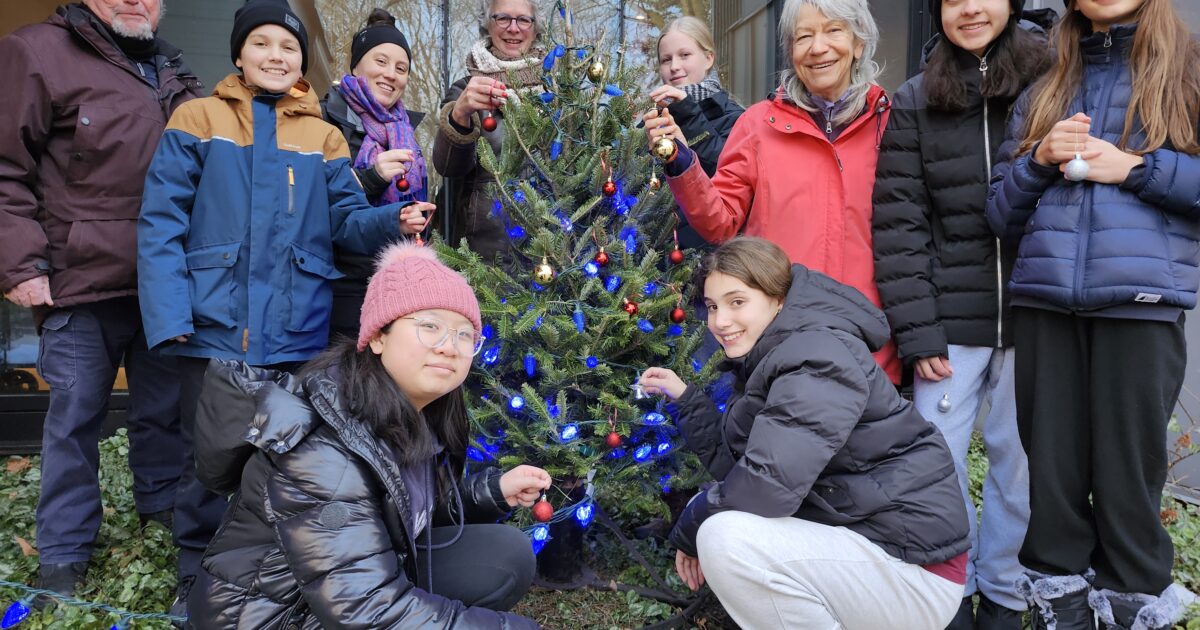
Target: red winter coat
781 179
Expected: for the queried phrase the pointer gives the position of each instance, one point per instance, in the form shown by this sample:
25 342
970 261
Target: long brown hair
1165 68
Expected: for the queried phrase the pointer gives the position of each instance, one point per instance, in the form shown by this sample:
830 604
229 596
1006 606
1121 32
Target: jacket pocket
105 252
213 287
310 292
85 143
56 352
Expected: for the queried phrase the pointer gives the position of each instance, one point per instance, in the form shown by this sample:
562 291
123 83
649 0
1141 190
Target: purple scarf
386 129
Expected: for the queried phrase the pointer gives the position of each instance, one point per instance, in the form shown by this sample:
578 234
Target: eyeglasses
504 20
433 333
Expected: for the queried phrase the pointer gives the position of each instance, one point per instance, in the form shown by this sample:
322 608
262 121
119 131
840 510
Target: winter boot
993 616
964 619
1058 602
60 578
1136 611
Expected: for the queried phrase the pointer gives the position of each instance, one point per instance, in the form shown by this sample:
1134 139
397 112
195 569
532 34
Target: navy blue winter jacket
1086 246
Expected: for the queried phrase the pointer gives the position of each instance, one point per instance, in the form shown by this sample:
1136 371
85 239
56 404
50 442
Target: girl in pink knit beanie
361 477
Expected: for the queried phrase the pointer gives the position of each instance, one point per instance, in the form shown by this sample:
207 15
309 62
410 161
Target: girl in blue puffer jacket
1103 202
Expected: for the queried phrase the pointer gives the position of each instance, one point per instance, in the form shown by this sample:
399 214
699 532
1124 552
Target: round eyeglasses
504 20
433 333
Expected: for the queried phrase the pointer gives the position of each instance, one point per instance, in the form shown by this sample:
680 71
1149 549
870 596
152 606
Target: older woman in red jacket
799 167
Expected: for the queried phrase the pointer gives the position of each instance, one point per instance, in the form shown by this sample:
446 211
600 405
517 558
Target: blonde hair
694 28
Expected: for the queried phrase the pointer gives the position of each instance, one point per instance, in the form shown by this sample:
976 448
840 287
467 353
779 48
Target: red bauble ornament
489 122
602 257
543 511
609 188
630 307
613 440
678 315
675 256
402 184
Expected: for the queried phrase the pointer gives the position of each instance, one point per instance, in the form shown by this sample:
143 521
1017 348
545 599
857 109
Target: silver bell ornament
1077 169
943 405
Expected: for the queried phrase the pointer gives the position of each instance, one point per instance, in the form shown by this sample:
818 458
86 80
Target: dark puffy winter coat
318 534
1085 246
705 125
454 158
941 271
78 128
815 430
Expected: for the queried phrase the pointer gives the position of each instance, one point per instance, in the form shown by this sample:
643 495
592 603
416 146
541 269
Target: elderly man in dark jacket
87 95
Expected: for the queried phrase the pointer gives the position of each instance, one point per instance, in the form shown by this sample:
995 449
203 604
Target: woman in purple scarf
366 105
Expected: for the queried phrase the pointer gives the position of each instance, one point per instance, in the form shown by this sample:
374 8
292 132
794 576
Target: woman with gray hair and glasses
798 168
506 63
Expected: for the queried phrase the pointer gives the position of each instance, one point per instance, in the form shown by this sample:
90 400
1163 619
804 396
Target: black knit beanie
935 13
254 14
374 35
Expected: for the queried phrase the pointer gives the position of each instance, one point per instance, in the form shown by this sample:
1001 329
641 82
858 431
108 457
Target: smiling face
128 18
271 59
385 67
511 41
1106 13
737 313
681 61
973 25
424 374
823 53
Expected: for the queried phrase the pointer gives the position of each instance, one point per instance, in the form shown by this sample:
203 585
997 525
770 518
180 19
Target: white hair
855 13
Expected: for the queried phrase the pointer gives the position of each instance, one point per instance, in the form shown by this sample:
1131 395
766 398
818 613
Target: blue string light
645 326
612 283
552 408
530 365
568 433
564 221
491 355
578 317
613 90
556 148
547 97
516 403
518 196
643 453
591 362
650 288
662 448
653 418
516 232
548 61
19 611
591 269
539 537
584 514
476 454
559 50
674 330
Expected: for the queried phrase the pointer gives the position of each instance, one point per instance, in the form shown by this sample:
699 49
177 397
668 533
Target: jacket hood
299 101
816 301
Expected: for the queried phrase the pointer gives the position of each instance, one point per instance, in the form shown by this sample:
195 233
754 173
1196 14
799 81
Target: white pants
796 574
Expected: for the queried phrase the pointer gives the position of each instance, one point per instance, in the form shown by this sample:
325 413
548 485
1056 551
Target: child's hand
413 217
1106 163
662 92
523 485
658 380
933 368
1066 138
659 125
389 164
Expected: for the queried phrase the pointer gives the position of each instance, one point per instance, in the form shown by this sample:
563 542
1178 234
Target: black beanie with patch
254 14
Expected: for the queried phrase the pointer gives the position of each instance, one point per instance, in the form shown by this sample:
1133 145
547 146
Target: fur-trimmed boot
1136 611
1058 602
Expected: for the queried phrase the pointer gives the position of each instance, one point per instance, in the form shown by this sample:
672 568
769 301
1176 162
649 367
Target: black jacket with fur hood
318 533
815 430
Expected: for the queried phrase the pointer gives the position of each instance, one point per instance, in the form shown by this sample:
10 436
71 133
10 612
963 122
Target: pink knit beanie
410 278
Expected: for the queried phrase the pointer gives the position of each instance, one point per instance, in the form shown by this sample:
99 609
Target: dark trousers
198 511
81 349
489 565
1094 397
347 307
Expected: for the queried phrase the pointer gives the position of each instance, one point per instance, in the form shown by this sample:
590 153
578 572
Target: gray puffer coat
815 430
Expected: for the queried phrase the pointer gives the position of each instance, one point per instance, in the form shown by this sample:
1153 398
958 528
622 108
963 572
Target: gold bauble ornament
655 183
595 71
543 273
664 149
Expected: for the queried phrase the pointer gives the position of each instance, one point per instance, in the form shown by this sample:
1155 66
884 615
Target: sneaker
164 517
60 578
179 606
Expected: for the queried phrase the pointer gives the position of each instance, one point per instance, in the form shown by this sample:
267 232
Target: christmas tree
596 292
